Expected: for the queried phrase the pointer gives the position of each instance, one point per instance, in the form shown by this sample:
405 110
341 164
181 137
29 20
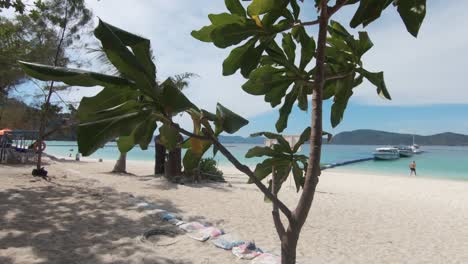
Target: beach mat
191 226
227 241
247 251
204 234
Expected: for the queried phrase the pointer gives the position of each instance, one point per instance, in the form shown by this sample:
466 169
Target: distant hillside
374 137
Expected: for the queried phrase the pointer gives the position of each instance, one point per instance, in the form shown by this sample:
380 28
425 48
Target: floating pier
339 164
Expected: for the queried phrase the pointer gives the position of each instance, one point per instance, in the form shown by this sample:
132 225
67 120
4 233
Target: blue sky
422 120
426 76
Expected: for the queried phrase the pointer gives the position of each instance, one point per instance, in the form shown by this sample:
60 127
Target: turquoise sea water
436 161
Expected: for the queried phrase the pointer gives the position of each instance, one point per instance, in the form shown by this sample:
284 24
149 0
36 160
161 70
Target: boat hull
386 156
405 154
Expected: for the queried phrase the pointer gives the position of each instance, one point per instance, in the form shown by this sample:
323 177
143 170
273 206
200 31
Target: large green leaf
412 12
296 9
98 106
169 137
73 77
285 110
235 7
124 60
239 56
307 46
298 174
231 122
265 79
94 135
260 151
192 158
377 79
344 91
259 7
204 34
140 46
284 145
305 135
368 11
141 135
262 170
289 47
227 35
172 99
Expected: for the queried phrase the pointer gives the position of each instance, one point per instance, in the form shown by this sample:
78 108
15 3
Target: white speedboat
388 153
416 148
405 151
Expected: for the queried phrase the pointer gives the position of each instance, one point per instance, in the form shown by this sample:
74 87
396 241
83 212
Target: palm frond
181 81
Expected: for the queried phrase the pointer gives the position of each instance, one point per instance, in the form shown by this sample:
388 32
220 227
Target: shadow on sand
69 224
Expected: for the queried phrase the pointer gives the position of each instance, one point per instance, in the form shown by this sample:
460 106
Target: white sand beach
84 216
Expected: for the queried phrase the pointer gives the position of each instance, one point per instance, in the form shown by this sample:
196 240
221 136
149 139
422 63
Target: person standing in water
412 167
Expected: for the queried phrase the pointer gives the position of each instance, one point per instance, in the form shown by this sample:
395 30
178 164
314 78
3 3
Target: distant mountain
374 137
241 140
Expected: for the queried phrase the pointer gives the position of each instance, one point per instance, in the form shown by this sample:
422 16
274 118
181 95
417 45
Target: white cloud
428 70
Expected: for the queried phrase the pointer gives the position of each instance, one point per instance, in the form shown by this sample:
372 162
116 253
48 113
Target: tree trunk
121 164
43 124
288 247
160 156
173 165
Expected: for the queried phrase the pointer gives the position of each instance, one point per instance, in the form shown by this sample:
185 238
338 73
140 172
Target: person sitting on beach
412 167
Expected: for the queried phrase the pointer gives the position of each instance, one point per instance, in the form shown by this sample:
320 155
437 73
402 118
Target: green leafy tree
67 18
18 5
331 67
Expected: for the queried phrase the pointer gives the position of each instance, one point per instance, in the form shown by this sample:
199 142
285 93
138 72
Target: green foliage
209 167
130 105
23 39
18 5
281 159
272 70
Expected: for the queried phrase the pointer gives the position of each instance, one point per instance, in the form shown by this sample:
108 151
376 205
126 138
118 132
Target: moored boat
387 153
416 148
405 151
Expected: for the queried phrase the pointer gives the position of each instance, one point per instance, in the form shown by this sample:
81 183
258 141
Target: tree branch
247 171
276 216
339 4
313 168
339 76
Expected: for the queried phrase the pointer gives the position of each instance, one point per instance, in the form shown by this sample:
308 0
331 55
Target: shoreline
230 169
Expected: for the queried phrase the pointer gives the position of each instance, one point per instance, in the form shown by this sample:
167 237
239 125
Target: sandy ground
84 216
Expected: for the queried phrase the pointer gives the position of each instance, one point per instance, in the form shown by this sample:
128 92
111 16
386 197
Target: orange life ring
36 146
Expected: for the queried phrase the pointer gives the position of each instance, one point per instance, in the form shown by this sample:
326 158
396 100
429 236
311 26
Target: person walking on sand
412 167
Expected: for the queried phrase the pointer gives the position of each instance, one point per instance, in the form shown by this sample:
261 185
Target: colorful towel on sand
247 251
227 241
205 233
191 227
266 258
168 216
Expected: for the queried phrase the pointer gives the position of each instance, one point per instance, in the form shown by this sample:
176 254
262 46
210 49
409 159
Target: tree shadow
69 224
